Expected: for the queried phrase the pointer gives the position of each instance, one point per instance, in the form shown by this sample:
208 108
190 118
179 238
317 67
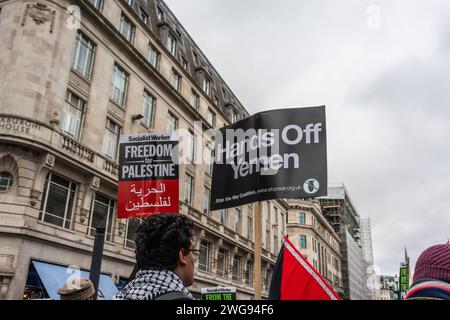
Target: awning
54 276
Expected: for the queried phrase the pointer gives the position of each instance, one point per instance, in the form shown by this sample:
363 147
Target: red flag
295 279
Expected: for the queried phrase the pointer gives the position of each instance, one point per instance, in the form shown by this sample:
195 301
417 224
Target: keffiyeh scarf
151 284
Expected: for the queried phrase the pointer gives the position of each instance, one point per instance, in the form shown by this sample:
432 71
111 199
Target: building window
175 80
144 16
127 28
97 4
209 161
172 44
225 95
185 64
72 115
111 139
232 114
237 269
275 213
238 221
266 209
6 181
148 109
119 85
58 201
190 147
250 228
83 56
180 37
131 232
222 262
206 86
249 273
302 242
172 123
283 223
102 215
160 14
268 240
153 56
211 118
301 218
275 244
223 216
195 100
204 259
267 279
196 60
216 100
206 198
188 186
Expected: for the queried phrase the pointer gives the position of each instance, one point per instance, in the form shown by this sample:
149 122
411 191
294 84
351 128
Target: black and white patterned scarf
150 284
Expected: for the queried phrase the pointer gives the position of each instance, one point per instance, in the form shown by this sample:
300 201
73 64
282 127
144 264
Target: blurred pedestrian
164 260
432 275
84 290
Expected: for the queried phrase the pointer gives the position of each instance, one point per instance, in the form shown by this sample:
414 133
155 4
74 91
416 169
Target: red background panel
142 198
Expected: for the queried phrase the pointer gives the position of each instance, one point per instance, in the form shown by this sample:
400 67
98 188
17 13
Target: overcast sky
382 68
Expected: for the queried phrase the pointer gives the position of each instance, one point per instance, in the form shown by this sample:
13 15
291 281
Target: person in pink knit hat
432 275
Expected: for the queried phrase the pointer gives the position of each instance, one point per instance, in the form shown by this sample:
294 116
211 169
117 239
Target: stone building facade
74 76
312 234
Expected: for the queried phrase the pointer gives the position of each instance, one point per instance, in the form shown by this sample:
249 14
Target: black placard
271 155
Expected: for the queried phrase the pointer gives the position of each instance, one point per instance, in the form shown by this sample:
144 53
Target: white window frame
172 43
188 189
190 147
175 80
172 120
207 85
148 109
238 221
206 199
195 100
43 211
72 116
6 183
112 204
224 254
86 45
127 28
205 267
120 78
153 56
109 151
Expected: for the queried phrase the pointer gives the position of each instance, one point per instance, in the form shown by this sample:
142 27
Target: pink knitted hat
434 263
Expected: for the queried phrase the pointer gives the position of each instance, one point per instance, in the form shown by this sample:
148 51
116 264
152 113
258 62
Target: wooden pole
258 247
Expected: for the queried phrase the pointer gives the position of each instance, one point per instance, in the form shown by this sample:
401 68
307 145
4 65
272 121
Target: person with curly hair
164 260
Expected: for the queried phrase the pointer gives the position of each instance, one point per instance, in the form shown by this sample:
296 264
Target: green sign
404 279
219 294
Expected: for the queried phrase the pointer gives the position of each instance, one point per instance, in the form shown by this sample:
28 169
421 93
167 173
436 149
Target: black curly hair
160 239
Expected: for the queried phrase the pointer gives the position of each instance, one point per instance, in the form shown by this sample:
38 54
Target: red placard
138 199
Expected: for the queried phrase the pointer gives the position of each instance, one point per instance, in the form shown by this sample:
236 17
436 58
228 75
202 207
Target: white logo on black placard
311 186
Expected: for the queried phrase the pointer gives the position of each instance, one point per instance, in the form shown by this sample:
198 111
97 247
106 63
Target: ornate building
312 234
74 76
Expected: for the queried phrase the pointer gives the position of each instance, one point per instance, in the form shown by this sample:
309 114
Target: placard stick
257 265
